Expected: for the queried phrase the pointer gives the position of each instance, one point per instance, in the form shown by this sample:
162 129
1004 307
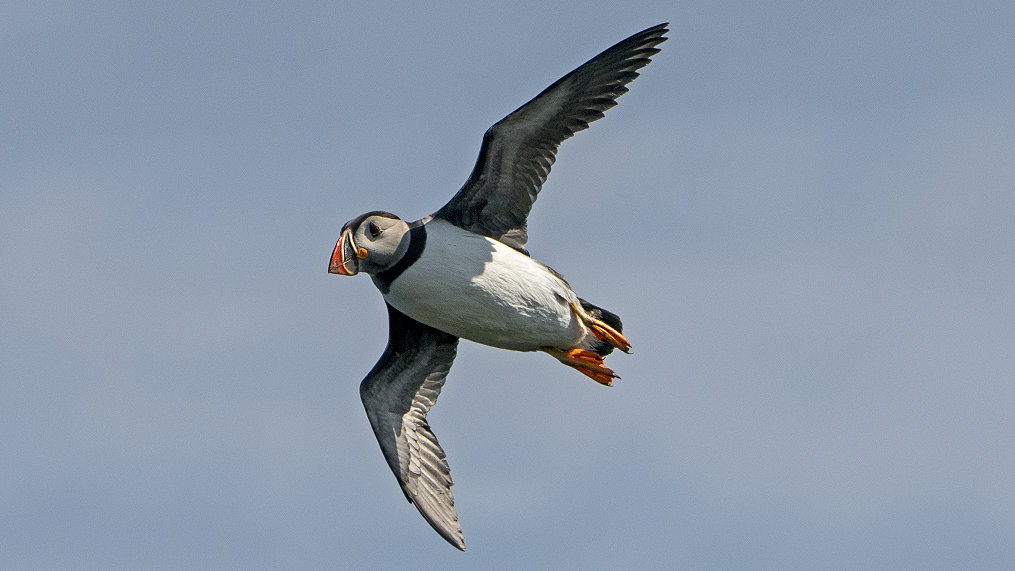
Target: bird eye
374 229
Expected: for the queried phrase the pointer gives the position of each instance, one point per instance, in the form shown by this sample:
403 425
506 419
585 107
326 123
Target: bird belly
476 288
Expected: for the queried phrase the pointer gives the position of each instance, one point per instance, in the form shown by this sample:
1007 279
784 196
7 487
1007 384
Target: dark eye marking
374 230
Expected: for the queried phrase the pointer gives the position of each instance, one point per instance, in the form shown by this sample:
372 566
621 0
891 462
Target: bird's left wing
397 394
518 150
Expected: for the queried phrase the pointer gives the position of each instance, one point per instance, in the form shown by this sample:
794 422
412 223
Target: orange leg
585 362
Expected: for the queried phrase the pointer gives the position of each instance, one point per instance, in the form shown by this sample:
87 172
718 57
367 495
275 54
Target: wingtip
659 31
644 42
656 34
453 536
443 521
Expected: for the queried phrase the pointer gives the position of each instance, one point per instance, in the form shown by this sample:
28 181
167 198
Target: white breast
479 289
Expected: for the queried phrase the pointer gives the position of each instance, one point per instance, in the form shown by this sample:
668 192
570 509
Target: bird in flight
464 273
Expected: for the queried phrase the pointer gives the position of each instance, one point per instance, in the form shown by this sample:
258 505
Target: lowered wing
397 394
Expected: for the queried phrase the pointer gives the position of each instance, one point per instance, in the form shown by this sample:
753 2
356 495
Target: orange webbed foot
588 363
602 330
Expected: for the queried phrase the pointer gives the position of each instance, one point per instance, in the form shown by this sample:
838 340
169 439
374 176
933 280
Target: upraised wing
397 394
519 150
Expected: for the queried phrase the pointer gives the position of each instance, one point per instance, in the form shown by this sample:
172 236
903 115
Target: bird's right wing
397 394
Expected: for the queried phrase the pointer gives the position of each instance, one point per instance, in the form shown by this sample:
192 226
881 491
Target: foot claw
602 330
588 363
606 333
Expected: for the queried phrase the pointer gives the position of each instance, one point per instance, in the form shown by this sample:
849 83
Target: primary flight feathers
464 272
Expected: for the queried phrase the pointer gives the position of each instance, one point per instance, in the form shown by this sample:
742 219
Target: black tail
611 319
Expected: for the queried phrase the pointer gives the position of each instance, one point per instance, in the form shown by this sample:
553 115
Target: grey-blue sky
809 213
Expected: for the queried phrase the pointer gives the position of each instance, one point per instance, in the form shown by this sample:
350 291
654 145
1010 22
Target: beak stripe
338 261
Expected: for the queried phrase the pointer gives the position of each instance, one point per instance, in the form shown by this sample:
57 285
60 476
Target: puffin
464 272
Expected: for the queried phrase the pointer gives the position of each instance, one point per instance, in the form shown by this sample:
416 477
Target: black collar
417 241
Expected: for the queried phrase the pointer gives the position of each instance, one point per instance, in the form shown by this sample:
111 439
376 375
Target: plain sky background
802 211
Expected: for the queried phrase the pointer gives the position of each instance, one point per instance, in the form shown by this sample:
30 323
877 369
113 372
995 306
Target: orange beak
339 261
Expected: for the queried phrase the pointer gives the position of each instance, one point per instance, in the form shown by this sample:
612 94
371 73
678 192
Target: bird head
370 243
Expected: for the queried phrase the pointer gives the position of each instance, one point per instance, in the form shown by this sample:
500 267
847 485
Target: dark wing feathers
519 150
495 201
397 393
